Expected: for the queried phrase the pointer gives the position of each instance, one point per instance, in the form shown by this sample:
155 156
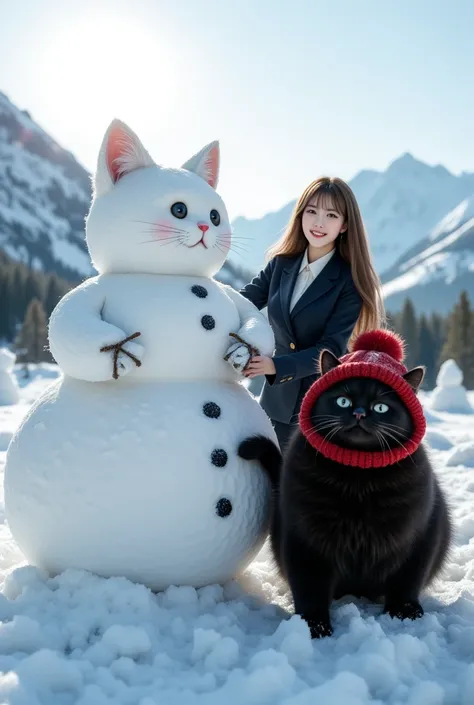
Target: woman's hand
260 365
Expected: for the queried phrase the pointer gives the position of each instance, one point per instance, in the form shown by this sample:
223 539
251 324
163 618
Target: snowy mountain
399 206
44 195
435 271
44 198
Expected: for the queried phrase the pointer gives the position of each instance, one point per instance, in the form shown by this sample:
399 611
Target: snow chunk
127 640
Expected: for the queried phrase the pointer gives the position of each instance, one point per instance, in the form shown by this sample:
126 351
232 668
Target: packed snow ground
77 639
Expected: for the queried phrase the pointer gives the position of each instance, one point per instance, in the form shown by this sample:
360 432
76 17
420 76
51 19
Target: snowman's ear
206 163
120 153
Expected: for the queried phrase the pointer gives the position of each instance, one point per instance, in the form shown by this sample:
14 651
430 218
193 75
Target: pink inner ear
117 144
212 166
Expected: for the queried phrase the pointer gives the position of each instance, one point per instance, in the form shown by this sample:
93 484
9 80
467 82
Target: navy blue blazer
324 317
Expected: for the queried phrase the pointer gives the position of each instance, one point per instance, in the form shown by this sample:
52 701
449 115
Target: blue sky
291 89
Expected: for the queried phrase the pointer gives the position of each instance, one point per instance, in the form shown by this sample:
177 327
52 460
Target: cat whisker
392 425
383 442
325 425
403 434
325 416
386 433
161 225
326 420
241 237
237 253
333 433
169 241
238 247
316 431
331 429
220 248
165 235
163 229
160 241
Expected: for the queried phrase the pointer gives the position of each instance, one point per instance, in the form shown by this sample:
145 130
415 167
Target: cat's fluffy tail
266 452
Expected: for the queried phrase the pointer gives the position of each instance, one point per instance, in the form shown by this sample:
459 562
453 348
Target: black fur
342 530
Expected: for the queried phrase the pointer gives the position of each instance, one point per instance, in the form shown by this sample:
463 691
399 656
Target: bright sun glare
101 67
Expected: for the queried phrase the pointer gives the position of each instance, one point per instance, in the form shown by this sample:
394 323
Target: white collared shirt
307 275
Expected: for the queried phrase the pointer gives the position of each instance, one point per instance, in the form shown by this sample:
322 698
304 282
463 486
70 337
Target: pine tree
33 287
54 292
19 285
5 306
408 329
17 280
459 345
32 340
427 353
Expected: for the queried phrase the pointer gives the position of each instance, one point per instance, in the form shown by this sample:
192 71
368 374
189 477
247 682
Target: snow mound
462 454
437 440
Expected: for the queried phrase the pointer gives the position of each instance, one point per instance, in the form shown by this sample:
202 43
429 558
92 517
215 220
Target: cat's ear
206 163
120 153
327 361
414 377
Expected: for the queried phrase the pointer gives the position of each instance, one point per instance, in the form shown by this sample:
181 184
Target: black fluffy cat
358 509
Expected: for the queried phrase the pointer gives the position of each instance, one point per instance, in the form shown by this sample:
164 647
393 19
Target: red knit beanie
377 354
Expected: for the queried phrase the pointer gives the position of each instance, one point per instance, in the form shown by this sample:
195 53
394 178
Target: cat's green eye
215 217
179 210
343 402
380 408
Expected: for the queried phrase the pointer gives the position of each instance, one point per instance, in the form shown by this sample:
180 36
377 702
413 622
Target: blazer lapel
323 282
287 284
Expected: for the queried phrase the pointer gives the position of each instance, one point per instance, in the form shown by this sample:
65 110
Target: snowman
128 465
9 392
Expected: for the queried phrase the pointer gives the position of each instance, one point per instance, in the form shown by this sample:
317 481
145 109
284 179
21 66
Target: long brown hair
352 245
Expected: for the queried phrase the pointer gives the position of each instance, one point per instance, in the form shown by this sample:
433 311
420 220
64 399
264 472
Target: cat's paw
411 609
319 627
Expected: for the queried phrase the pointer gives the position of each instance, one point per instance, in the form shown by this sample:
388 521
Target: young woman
320 288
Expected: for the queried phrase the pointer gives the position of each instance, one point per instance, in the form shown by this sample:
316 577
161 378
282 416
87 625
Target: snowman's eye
380 408
179 210
215 217
343 402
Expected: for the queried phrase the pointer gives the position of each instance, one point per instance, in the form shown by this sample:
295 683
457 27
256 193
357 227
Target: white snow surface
8 385
77 639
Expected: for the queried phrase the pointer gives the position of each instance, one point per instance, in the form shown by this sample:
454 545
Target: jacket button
292 346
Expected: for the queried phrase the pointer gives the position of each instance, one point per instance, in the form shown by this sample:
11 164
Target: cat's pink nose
203 227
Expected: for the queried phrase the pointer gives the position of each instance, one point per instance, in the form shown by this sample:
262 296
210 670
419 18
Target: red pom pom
385 341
